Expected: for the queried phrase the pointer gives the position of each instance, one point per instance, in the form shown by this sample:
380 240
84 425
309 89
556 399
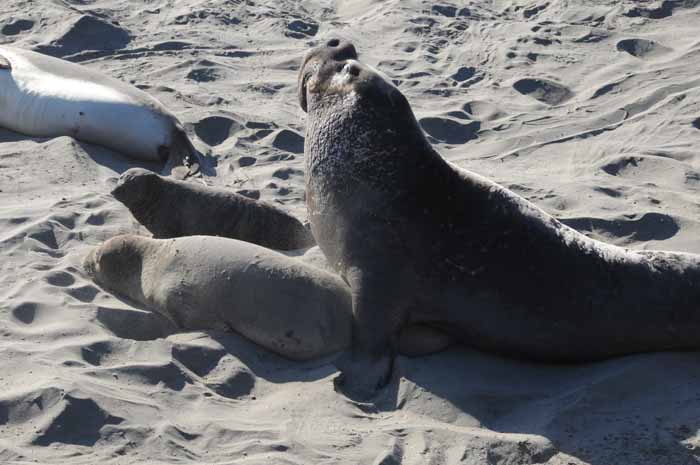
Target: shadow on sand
639 409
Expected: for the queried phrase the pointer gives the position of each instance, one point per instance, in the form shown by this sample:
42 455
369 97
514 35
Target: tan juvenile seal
170 208
422 242
42 96
200 283
212 283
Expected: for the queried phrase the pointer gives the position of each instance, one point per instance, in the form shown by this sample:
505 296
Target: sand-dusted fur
171 208
213 283
423 242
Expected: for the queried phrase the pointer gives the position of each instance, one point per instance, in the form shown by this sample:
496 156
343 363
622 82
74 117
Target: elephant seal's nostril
352 69
333 43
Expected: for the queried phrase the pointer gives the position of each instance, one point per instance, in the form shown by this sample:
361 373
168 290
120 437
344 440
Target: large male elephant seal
42 96
171 208
422 242
214 283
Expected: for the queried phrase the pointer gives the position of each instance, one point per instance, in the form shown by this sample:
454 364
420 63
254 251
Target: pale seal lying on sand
213 283
170 208
42 96
423 242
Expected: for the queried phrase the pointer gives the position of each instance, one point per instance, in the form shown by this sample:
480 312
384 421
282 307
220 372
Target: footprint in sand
25 312
658 10
72 420
199 359
214 130
245 161
96 352
651 226
543 90
449 131
205 74
289 141
17 27
86 293
60 279
233 385
286 173
483 111
642 48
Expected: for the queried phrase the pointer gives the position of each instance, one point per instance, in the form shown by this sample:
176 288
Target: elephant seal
171 208
421 242
214 283
42 96
287 306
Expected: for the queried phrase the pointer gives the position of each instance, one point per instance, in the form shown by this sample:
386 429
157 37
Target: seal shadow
270 366
139 323
207 163
111 159
121 163
114 160
10 136
100 155
621 410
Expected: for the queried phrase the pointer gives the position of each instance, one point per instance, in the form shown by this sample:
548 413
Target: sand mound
86 33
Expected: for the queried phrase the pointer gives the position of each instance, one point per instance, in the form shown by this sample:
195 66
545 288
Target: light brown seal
213 283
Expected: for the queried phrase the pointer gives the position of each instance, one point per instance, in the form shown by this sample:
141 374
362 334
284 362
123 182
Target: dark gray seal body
171 208
422 242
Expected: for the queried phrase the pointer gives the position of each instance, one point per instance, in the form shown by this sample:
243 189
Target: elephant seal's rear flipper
181 158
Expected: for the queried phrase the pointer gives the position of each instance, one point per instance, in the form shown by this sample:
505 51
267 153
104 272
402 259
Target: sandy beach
590 110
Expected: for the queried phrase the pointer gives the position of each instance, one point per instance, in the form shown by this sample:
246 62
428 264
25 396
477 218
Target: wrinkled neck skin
356 157
344 136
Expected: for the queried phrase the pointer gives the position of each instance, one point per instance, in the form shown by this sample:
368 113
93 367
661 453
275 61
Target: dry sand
590 109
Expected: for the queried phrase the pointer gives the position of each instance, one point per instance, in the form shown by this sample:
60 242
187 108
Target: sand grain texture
589 109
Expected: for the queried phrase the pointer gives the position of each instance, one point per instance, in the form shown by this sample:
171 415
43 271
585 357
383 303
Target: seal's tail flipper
192 159
182 158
